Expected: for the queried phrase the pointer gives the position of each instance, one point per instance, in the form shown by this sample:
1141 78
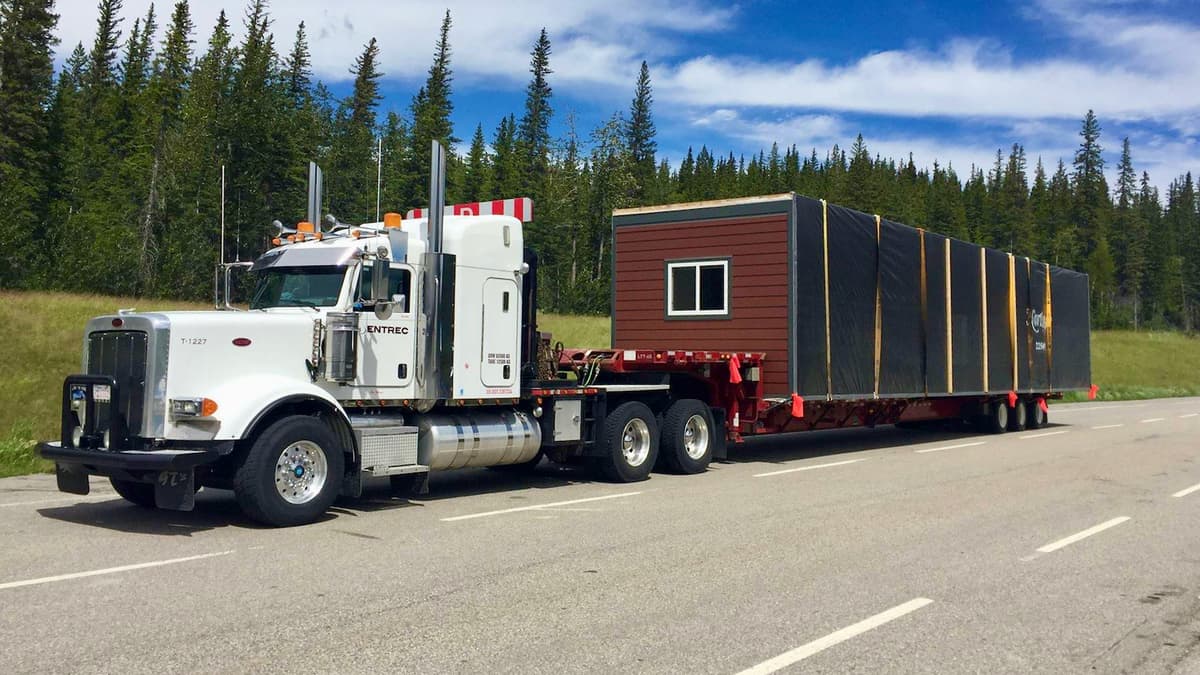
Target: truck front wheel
687 440
629 443
291 474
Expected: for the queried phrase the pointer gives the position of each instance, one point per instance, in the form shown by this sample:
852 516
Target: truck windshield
298 287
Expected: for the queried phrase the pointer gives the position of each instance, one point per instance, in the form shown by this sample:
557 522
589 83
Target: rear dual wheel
629 443
687 437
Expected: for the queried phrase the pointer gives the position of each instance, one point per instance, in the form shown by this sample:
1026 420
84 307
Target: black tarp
966 305
901 363
809 329
853 269
913 353
1070 355
1039 369
999 335
1021 294
935 314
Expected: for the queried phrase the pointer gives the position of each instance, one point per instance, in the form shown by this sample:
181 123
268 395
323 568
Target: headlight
193 407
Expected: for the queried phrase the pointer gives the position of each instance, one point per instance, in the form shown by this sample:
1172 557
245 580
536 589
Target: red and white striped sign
520 208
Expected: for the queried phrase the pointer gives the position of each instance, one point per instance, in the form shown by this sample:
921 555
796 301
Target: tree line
110 169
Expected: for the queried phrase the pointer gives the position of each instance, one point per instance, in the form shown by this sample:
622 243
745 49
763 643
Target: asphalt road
1068 549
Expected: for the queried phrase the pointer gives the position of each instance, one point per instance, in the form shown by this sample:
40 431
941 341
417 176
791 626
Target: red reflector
241 342
117 323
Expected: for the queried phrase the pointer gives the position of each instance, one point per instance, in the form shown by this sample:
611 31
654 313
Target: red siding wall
758 289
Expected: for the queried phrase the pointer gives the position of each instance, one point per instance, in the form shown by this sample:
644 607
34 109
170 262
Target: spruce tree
640 133
26 88
431 110
533 133
352 175
475 183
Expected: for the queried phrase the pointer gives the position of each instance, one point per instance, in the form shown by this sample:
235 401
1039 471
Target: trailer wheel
1017 417
687 441
141 494
996 419
1034 416
629 442
291 474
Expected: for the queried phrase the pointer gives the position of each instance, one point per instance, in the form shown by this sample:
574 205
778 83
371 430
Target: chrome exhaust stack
435 374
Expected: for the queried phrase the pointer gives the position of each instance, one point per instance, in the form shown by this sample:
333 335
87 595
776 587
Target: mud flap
72 478
175 490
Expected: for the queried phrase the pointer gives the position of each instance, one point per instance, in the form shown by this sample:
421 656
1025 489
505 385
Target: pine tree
533 133
298 69
1090 188
431 110
640 134
1129 233
26 88
506 162
352 175
475 183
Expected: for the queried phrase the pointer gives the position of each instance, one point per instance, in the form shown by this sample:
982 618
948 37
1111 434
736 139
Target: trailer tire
297 447
141 494
1035 417
629 443
996 419
687 437
1018 419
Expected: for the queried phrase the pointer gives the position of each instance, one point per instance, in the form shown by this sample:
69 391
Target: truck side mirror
379 282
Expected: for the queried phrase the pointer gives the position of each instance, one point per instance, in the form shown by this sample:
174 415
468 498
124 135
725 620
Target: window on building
698 288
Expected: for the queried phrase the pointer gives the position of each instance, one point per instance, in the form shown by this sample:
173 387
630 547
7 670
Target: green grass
43 338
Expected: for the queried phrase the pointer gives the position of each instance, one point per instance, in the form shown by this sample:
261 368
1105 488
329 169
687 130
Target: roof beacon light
304 226
391 220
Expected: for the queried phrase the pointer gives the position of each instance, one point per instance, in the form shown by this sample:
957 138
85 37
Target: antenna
222 256
378 176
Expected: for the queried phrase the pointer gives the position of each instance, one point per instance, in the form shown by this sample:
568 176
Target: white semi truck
388 349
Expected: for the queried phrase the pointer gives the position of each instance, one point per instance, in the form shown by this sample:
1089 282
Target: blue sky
947 81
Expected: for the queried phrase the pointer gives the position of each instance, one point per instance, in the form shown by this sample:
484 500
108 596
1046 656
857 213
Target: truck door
501 333
388 345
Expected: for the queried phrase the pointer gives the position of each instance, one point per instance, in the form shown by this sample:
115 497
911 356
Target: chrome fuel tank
466 439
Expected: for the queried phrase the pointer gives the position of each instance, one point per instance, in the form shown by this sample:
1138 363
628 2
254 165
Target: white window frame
696 264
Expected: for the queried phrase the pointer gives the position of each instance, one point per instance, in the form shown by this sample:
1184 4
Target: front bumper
172 471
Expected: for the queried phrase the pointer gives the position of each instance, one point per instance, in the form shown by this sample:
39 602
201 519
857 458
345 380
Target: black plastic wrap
1039 369
1000 357
852 277
809 350
966 302
1021 293
901 363
935 314
1070 358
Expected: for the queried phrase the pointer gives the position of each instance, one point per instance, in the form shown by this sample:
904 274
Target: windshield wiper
300 303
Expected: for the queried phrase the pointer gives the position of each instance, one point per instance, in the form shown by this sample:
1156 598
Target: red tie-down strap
1042 405
1092 391
797 406
735 369
1012 399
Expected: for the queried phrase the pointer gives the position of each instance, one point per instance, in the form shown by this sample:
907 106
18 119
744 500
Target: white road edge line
951 447
809 468
536 507
108 570
1189 415
804 651
1109 426
1153 419
1043 435
1065 409
1067 541
1187 491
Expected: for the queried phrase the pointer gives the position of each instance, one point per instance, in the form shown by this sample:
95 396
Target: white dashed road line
804 651
1108 426
951 447
1079 536
108 570
536 507
1188 415
58 500
1044 434
808 468
1153 419
1187 491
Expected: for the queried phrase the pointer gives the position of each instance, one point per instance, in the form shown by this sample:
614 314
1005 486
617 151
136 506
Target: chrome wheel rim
695 436
301 472
635 442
